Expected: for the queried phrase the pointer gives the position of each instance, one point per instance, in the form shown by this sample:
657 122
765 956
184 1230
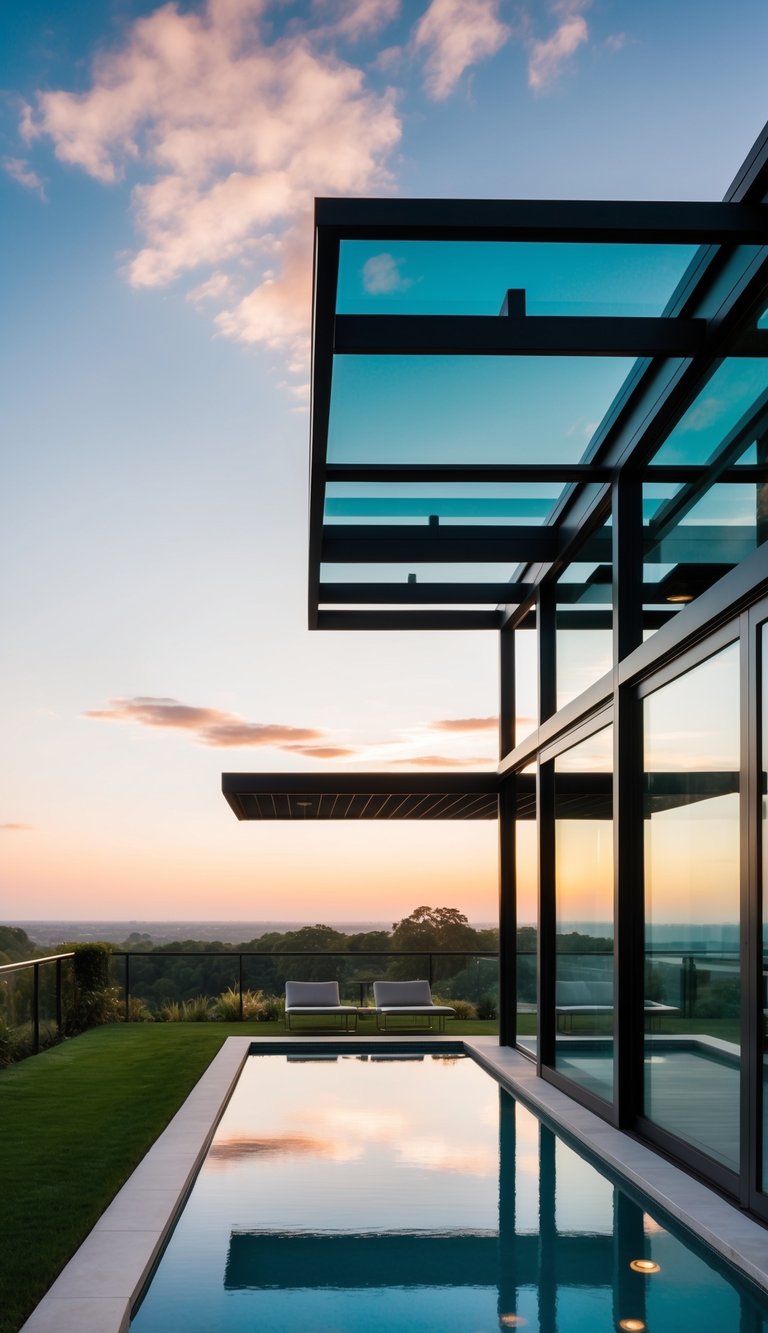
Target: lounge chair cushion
401 993
307 996
408 997
585 995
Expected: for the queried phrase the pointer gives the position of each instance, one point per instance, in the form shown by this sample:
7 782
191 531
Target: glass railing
34 997
175 984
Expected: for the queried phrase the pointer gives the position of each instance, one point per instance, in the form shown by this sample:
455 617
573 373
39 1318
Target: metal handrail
35 962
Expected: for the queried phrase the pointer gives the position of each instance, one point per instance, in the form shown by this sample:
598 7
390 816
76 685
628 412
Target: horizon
157 281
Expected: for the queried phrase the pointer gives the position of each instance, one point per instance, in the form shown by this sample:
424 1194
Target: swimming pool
355 1191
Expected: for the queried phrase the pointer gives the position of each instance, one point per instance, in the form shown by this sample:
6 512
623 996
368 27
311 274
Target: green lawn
75 1122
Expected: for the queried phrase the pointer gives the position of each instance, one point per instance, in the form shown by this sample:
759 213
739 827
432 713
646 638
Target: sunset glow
159 168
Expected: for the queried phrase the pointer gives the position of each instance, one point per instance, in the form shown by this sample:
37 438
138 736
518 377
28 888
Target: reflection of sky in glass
472 277
594 755
526 684
692 848
693 723
444 572
732 391
351 1172
469 409
414 503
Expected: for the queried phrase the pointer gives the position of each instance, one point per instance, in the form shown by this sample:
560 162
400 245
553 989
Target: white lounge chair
596 997
408 999
307 999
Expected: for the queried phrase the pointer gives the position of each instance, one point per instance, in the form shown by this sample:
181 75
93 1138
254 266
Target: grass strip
77 1119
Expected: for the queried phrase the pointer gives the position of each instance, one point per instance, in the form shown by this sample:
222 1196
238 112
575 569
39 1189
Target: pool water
359 1193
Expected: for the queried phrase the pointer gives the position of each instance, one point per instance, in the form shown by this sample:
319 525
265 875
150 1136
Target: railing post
431 971
240 982
127 988
36 1008
58 998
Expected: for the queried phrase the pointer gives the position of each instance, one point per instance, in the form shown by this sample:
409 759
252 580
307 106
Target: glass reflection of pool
365 1193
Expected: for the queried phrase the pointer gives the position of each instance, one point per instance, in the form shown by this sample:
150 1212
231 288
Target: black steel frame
711 316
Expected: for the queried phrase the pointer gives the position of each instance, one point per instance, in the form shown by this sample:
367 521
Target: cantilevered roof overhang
440 796
420 520
301 796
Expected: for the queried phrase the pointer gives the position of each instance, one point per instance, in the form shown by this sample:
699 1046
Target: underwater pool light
632 1325
645 1266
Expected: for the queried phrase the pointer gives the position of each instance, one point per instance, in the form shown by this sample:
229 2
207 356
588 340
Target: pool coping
100 1285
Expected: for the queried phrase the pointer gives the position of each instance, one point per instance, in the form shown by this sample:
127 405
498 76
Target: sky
157 170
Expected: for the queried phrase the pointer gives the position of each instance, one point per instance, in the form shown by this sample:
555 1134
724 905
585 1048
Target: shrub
91 1009
465 1010
94 1001
91 967
171 1011
197 1010
272 1009
8 1045
138 1011
487 1008
228 1005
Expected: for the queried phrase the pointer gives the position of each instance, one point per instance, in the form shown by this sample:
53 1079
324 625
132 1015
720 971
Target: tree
433 930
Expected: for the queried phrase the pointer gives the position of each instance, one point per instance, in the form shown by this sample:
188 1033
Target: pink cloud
16 828
210 726
547 57
453 35
466 724
22 173
442 761
323 751
231 134
359 18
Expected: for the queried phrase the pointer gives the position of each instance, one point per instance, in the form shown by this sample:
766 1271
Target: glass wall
692 907
584 650
763 988
526 684
527 884
584 999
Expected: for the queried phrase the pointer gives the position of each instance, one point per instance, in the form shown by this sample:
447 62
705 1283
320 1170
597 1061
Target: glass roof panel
693 534
469 409
414 503
442 572
736 393
472 277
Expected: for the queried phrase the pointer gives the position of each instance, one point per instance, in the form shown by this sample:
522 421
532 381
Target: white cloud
381 273
455 34
22 173
232 135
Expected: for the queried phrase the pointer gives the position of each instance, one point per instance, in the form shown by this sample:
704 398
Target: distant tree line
158 977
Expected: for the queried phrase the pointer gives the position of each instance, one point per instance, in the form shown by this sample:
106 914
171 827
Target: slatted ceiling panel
396 806
482 807
305 797
443 805
376 805
471 807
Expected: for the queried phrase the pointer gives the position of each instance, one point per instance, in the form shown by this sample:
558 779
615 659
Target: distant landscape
46 934
51 933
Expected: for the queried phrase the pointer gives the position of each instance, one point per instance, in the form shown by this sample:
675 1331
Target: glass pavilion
550 419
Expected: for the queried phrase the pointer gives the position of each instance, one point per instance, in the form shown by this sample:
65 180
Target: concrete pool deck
98 1288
